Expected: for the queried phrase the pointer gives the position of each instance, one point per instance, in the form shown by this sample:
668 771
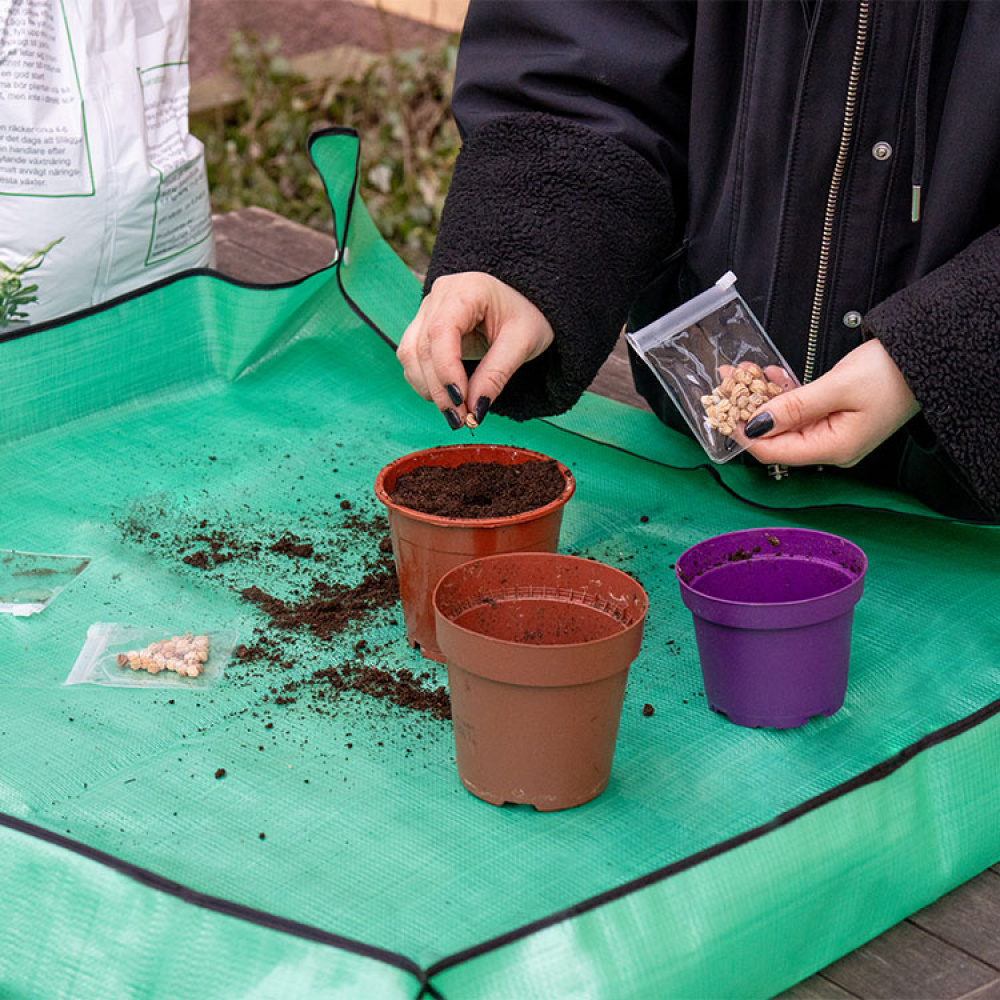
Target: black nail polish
454 393
758 425
481 408
454 420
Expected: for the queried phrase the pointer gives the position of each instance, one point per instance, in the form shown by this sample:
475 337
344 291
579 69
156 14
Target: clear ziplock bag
716 363
117 655
30 581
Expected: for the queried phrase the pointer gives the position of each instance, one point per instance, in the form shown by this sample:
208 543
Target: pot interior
539 621
772 580
763 566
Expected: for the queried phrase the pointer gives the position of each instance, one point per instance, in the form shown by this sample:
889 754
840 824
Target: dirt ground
302 26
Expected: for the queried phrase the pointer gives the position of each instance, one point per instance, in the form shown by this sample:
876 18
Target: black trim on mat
308 932
207 272
217 904
348 215
294 928
876 773
713 471
356 309
136 293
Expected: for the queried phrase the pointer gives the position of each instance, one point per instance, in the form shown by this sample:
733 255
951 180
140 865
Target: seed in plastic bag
737 397
186 655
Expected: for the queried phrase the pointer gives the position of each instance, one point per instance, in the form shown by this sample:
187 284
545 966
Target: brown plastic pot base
538 648
428 654
550 804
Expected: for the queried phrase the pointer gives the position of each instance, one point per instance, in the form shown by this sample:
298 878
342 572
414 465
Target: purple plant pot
773 610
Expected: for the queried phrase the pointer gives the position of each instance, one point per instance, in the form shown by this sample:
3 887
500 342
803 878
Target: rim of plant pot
613 625
453 455
726 551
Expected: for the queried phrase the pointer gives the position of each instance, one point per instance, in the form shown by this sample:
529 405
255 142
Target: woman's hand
837 419
472 316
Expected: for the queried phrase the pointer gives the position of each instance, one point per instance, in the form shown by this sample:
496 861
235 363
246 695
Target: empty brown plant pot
538 648
425 546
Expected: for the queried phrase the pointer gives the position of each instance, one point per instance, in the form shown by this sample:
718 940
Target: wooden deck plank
614 380
991 991
816 988
949 950
447 14
256 245
968 918
907 962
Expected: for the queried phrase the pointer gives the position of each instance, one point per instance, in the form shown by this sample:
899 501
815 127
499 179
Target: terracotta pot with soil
451 504
538 648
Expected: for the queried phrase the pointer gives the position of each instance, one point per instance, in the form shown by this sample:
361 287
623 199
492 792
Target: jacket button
852 319
881 151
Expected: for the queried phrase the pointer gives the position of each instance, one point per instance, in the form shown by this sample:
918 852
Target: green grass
400 106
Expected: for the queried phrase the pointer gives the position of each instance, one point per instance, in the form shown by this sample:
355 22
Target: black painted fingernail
454 420
758 425
454 393
481 408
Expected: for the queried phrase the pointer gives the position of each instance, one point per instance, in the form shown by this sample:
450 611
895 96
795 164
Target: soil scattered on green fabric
211 548
329 609
295 657
292 545
403 688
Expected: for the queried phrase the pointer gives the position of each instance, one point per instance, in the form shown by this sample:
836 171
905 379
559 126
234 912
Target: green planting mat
217 423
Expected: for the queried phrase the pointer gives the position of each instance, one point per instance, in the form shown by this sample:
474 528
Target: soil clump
329 610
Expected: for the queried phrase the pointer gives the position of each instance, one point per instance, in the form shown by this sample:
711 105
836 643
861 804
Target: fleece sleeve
573 219
943 332
574 118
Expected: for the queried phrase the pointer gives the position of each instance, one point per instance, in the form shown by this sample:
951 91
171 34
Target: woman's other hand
838 418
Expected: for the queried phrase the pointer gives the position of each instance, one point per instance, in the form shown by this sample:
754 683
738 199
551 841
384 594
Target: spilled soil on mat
295 579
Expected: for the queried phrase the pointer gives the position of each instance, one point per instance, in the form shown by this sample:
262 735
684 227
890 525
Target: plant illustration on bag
14 294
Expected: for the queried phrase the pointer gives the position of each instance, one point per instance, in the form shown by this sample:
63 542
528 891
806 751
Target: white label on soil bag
182 216
103 189
43 133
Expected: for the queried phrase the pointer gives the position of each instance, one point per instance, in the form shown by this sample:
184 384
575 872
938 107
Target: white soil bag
102 187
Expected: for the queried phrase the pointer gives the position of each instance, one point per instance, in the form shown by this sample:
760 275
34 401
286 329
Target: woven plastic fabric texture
337 854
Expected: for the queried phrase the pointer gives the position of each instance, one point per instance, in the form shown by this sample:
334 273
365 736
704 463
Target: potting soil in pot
221 844
479 489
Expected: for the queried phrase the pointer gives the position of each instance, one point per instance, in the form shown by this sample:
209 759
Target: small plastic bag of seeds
30 581
135 656
716 363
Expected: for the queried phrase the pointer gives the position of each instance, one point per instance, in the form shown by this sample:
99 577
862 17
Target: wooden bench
947 951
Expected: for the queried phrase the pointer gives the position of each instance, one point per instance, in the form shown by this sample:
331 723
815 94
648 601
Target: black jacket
608 144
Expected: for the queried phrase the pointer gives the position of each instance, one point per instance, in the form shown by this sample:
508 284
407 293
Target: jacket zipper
846 134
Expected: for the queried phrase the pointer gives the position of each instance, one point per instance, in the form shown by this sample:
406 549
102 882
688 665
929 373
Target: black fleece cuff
576 221
943 332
